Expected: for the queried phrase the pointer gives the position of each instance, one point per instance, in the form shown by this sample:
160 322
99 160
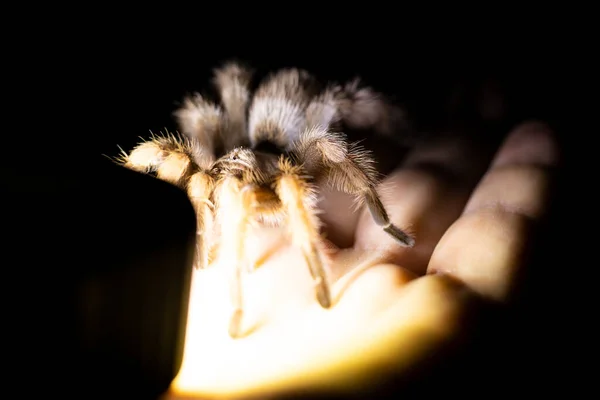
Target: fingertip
532 143
486 250
489 245
520 177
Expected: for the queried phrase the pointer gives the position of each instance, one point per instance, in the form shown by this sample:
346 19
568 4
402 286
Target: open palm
470 208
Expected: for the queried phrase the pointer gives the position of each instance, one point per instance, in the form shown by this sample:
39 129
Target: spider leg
361 107
237 201
172 159
213 249
298 200
350 169
262 258
167 156
199 189
361 181
381 218
268 212
232 81
203 122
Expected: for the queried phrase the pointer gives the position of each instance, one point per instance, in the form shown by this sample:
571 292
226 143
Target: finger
488 245
425 196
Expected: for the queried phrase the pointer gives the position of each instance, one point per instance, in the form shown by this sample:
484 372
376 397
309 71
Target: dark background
90 88
128 95
80 94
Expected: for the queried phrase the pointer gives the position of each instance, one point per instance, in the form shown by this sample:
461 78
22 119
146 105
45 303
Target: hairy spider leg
348 168
299 201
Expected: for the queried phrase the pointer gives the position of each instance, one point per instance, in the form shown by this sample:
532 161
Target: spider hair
259 157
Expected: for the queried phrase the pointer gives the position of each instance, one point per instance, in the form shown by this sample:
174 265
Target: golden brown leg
267 206
235 324
166 155
171 159
262 258
213 251
298 200
237 201
199 188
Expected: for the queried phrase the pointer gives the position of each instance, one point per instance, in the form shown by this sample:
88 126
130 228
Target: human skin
471 208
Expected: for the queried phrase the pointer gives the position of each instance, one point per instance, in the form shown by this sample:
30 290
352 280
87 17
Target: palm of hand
471 220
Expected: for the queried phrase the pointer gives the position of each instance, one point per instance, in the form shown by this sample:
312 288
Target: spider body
259 158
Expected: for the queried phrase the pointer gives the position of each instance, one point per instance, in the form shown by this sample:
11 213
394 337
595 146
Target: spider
259 157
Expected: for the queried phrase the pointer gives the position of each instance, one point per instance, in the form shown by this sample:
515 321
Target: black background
83 89
122 96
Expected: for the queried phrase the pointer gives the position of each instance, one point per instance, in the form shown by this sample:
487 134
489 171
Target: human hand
471 209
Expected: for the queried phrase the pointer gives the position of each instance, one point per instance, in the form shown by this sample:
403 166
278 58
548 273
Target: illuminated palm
469 208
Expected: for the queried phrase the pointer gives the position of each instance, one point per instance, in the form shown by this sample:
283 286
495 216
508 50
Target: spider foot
402 237
235 324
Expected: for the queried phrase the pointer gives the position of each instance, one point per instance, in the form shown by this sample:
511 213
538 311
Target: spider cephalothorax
280 144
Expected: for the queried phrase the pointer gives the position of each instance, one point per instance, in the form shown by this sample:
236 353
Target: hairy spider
259 157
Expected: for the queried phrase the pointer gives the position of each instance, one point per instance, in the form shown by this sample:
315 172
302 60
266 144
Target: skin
471 207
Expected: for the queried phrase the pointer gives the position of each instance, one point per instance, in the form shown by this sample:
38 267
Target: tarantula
260 156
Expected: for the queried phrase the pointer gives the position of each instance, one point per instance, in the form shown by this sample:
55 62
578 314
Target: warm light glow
383 320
